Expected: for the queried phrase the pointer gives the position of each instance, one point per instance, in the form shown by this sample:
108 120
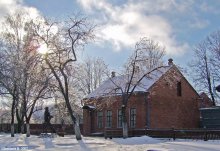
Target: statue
47 118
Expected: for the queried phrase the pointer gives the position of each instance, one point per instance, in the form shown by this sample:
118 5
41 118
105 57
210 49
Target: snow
69 143
109 86
211 108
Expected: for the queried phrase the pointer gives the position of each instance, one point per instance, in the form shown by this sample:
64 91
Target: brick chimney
170 62
113 74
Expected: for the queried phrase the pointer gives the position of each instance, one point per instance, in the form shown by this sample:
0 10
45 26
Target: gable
169 81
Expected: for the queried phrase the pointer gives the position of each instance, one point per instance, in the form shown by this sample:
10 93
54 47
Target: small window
179 89
132 117
109 119
100 119
119 118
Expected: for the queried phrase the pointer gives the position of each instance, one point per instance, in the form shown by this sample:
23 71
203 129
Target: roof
88 107
211 108
111 86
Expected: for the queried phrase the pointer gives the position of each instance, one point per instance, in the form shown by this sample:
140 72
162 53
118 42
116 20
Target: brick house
164 99
205 101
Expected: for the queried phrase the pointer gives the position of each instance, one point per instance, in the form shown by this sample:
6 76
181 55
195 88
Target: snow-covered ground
144 143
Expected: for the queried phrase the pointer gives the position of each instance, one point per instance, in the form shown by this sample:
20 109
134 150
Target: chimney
170 62
113 74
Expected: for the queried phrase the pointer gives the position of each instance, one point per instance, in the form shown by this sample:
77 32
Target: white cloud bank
123 25
11 6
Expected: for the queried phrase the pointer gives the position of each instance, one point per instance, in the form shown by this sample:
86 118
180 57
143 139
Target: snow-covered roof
211 108
113 86
90 107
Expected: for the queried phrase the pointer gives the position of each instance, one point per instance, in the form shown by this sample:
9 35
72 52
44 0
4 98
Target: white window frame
132 122
109 120
119 126
98 122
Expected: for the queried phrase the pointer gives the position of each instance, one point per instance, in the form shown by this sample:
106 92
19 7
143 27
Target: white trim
118 118
106 125
98 120
130 117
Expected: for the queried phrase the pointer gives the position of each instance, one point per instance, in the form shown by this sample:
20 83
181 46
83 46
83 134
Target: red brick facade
161 107
205 101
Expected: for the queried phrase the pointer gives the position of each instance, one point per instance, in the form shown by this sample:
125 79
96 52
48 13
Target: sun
43 49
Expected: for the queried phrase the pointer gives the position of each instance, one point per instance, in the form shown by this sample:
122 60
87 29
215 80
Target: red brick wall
205 101
137 102
166 109
86 122
169 110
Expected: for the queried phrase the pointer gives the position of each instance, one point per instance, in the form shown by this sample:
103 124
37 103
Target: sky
179 25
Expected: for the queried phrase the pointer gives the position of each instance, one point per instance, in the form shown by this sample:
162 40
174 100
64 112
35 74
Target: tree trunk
125 129
19 121
22 128
75 123
77 131
208 77
12 130
124 123
19 127
12 119
210 90
76 127
28 129
65 92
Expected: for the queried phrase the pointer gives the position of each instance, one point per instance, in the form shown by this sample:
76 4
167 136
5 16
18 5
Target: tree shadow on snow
138 140
29 146
83 145
48 143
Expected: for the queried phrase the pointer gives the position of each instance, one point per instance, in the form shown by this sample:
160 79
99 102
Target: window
109 119
100 119
119 118
132 117
179 89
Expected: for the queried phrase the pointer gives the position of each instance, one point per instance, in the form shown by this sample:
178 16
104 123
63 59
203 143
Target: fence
36 129
203 134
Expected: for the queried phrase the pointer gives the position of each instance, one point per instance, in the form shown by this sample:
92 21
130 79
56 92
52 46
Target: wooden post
205 136
174 134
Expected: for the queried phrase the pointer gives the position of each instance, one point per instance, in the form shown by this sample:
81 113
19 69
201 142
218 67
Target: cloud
158 6
206 7
123 25
11 6
199 24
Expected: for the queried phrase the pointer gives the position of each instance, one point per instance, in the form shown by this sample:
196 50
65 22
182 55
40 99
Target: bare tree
213 42
8 85
205 64
85 77
148 53
10 68
22 67
90 74
125 85
62 46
